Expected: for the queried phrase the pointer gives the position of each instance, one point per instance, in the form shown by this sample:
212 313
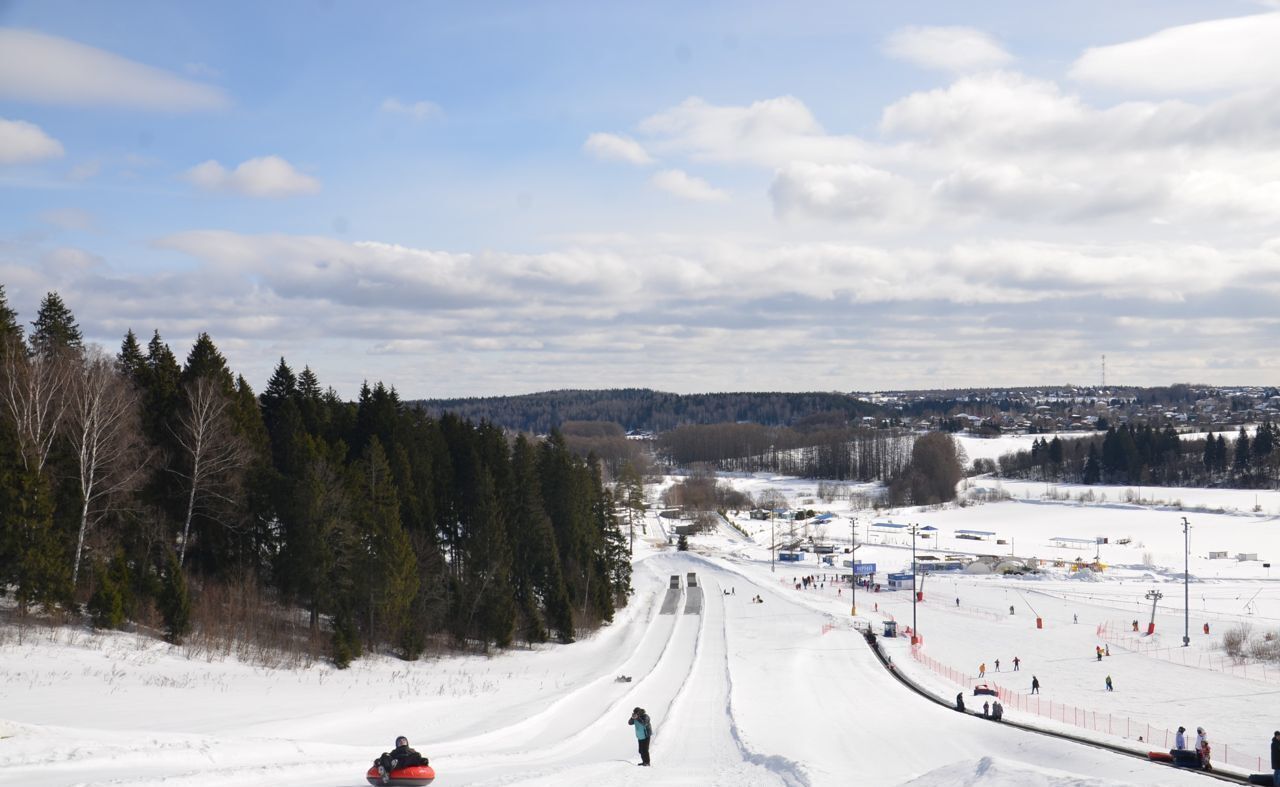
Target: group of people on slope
1201 746
990 710
404 757
982 668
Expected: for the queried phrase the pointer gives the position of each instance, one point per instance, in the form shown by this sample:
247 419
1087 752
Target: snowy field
779 693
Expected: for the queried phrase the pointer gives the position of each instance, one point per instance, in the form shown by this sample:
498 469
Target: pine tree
537 581
387 569
55 330
33 558
160 383
10 330
1241 464
205 360
175 603
1208 458
130 360
1092 469
106 605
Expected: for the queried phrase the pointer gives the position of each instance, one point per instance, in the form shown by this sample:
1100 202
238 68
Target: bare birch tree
34 390
213 450
105 436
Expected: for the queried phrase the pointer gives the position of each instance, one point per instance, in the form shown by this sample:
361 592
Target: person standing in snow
997 665
1035 685
399 757
986 710
960 702
997 710
1202 748
982 669
1275 758
644 732
1109 687
1016 662
957 601
1180 739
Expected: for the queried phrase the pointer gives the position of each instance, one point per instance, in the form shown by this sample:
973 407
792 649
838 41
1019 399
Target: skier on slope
644 733
400 757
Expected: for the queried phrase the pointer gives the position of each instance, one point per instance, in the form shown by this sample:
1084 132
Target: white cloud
46 69
418 110
844 192
772 132
22 142
687 186
268 176
1221 54
947 48
659 311
615 147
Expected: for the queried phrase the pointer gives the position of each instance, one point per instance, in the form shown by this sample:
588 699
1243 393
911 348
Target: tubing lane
918 689
592 719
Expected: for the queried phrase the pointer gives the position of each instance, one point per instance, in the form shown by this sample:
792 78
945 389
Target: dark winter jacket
402 757
1275 753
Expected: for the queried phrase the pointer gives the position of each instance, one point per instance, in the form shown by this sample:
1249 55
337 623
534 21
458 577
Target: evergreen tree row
1159 457
132 481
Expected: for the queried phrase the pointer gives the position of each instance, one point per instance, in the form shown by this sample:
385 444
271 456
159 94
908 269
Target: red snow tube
1160 756
413 776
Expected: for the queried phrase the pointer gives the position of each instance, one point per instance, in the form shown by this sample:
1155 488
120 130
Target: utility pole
1155 597
1186 583
773 539
915 631
853 563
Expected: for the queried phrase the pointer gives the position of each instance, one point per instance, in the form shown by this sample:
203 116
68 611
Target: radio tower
1104 370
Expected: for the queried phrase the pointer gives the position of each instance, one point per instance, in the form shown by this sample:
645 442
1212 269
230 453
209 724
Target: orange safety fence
1158 738
1156 649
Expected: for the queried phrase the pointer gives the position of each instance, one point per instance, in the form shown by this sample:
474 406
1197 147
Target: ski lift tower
1154 596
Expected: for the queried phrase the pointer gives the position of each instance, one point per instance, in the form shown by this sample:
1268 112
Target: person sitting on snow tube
399 757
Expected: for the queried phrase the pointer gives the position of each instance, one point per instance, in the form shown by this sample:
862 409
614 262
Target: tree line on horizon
1144 454
132 484
652 411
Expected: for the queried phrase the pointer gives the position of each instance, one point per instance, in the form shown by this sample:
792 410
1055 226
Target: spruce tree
387 571
1092 469
10 330
55 330
205 360
130 360
1241 464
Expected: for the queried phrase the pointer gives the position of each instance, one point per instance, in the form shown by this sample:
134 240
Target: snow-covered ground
783 692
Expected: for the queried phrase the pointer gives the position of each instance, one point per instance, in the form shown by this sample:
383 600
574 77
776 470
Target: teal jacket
642 727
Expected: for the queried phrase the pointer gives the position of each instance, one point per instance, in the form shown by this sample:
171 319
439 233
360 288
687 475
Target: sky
471 199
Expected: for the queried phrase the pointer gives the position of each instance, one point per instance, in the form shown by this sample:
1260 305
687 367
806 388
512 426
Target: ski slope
779 693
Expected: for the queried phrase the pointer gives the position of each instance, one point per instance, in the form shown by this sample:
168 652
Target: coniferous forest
145 490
